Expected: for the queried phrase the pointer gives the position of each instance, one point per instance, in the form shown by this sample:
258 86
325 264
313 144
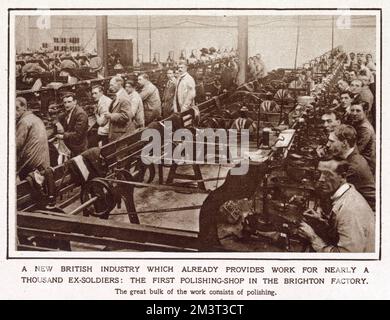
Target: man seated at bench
350 222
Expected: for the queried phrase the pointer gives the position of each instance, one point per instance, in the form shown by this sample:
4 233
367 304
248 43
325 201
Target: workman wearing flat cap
67 70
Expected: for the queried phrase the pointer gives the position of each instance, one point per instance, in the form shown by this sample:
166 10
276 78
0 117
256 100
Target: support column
102 41
150 39
26 32
242 44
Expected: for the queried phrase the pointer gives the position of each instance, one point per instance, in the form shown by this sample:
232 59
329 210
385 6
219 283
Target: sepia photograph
195 131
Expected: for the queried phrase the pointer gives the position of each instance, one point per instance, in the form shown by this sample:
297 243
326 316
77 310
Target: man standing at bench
73 126
185 90
102 105
137 107
150 98
119 114
32 149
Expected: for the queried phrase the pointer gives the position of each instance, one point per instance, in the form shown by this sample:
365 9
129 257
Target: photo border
9 257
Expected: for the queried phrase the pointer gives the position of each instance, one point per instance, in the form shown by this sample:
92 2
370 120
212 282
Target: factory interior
196 133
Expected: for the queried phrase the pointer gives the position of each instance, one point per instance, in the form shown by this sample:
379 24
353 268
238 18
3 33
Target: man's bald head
116 83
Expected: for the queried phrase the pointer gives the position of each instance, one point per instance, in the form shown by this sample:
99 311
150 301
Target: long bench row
123 153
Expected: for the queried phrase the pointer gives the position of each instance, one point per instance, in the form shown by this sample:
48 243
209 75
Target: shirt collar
26 113
120 92
101 99
71 111
348 153
340 191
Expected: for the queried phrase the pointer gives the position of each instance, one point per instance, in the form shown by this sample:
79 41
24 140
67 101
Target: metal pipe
163 210
83 206
157 186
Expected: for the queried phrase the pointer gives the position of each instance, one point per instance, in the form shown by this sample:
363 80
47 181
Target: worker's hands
314 214
321 151
108 115
306 231
60 136
60 128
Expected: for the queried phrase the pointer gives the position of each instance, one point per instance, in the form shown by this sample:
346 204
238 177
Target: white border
251 255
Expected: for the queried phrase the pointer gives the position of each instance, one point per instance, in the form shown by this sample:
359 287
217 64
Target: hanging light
170 58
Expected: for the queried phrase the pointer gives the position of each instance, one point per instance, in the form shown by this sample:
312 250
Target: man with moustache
185 90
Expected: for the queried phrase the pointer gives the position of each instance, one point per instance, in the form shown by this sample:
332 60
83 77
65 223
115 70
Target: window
45 45
74 40
74 48
56 40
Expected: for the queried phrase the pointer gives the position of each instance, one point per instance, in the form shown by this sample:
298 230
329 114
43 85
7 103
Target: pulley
106 199
141 172
126 193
